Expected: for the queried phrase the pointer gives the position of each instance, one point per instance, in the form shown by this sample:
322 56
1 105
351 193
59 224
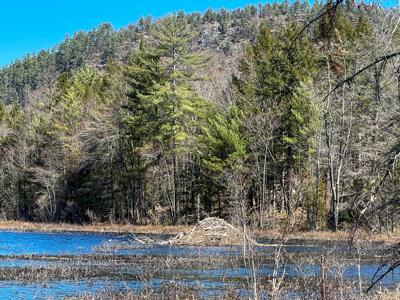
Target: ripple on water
75 244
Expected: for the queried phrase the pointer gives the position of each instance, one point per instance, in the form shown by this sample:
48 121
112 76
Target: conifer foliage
270 113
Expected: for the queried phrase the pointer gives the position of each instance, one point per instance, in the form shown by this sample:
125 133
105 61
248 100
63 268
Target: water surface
30 250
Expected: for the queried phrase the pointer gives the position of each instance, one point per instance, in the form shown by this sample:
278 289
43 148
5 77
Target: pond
93 262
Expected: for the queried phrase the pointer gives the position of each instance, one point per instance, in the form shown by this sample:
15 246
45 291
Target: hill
260 115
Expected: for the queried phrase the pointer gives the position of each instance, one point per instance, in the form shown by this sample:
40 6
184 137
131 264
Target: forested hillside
263 114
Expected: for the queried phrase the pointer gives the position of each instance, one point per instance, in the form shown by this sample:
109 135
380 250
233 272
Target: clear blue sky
27 26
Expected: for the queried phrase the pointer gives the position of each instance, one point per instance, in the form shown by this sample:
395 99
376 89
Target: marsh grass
298 235
93 227
178 281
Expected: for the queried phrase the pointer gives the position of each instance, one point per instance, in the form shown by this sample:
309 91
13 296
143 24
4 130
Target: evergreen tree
176 95
275 71
142 121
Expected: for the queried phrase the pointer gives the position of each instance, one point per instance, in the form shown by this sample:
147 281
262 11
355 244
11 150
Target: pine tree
274 72
176 95
142 122
222 141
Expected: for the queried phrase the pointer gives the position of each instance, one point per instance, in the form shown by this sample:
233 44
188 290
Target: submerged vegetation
139 272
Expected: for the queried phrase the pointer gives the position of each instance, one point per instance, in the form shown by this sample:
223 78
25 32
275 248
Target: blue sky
27 26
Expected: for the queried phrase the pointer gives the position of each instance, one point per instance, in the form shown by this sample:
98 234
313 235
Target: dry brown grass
339 236
100 227
387 294
389 238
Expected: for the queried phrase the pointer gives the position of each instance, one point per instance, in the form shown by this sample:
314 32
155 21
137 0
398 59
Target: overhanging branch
359 72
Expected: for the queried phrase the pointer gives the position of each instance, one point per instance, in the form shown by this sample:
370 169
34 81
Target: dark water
16 247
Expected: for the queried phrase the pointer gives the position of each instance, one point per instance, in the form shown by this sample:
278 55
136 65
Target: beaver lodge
210 232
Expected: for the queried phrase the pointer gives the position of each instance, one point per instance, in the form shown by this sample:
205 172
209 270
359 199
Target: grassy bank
338 236
386 238
99 227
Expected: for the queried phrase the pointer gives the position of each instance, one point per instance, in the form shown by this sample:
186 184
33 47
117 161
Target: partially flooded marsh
57 265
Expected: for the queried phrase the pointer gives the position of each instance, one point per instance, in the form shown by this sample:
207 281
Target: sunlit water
16 247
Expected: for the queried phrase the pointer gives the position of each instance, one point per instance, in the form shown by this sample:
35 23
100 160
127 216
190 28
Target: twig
352 77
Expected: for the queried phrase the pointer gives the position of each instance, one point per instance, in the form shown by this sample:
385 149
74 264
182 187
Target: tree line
164 132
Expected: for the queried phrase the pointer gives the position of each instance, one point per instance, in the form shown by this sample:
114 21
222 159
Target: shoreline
90 228
323 236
